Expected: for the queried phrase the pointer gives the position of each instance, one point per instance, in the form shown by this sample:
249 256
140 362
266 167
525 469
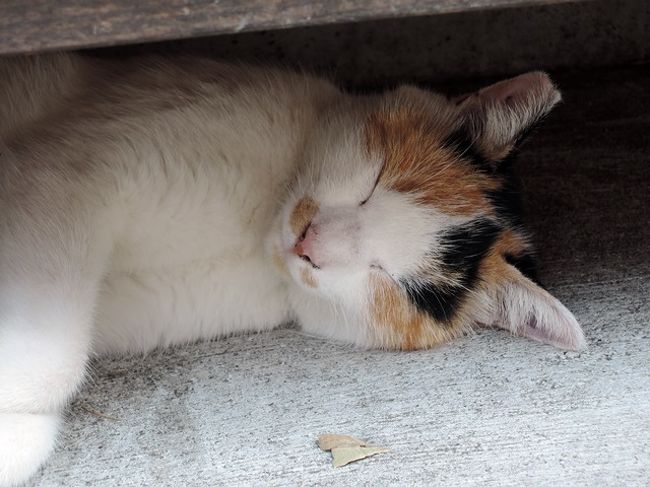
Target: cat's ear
525 309
499 116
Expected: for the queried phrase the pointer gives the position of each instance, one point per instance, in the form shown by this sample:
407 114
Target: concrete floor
488 410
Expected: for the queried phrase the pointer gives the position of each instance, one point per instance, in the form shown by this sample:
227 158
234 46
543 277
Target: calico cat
151 202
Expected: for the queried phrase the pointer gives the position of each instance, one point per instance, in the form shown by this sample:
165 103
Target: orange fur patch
399 324
308 278
494 267
416 162
302 215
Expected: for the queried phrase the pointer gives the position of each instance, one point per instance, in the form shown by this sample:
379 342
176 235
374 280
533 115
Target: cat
150 202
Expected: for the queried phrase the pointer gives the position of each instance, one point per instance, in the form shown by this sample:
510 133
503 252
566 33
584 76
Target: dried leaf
328 441
347 449
344 455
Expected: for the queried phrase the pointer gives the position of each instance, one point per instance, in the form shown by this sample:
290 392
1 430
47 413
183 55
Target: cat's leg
51 262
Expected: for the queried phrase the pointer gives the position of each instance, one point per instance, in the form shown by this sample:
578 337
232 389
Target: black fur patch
508 203
439 302
460 141
526 264
507 200
524 134
464 247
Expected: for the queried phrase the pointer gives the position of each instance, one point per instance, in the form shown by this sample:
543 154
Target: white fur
27 440
143 204
130 221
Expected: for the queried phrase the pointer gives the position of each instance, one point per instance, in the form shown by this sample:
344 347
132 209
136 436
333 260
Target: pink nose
304 247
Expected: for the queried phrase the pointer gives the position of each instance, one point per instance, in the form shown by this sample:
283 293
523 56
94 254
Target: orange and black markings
442 167
418 161
400 324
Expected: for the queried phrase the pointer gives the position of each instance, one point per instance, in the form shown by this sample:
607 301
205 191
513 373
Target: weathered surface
486 410
34 25
439 48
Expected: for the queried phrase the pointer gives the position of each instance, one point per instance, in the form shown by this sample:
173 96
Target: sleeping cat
151 202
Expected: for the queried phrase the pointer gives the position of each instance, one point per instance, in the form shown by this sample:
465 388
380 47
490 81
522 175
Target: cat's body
148 203
185 204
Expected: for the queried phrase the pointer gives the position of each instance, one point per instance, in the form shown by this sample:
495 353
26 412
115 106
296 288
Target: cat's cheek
308 278
395 324
347 287
279 262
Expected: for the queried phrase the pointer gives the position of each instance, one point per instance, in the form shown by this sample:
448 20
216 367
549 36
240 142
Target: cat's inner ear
497 118
526 309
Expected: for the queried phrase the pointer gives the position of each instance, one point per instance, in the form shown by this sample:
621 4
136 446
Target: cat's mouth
307 259
304 246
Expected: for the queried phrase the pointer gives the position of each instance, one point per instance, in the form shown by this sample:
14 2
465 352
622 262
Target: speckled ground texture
488 410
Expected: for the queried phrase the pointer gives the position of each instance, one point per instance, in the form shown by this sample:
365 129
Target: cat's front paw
26 440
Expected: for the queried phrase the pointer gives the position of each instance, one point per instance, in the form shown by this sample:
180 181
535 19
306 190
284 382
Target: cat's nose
304 247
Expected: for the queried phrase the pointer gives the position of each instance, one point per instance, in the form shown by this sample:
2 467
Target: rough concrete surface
488 410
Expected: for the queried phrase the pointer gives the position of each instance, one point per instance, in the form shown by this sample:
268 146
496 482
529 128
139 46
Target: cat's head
403 228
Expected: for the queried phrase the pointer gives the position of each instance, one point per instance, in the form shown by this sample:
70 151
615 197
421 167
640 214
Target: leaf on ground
343 456
328 441
347 449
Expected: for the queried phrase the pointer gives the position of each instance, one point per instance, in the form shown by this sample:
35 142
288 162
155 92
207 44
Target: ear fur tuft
525 309
499 115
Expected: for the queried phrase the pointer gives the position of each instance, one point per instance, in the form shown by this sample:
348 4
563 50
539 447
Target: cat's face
404 221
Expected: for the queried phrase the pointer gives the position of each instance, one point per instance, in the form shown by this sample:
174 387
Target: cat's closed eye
374 187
